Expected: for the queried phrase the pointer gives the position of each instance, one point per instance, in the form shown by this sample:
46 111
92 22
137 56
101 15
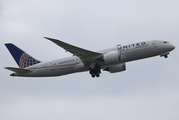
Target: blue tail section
22 59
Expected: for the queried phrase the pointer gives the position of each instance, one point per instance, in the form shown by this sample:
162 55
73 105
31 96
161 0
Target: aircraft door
155 44
119 55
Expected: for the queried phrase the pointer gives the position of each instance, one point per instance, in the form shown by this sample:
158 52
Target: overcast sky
147 90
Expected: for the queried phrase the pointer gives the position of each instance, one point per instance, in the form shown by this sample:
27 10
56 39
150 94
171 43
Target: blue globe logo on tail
26 61
22 59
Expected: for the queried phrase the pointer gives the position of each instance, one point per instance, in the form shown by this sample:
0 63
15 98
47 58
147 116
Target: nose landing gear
165 55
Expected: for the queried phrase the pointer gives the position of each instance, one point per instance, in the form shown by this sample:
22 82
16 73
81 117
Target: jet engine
116 68
112 57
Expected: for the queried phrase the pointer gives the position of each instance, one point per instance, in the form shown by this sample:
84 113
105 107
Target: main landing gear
95 71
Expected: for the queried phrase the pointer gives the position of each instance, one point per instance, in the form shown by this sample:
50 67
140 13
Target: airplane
112 60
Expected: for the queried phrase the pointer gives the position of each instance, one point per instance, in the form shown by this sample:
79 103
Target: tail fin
22 59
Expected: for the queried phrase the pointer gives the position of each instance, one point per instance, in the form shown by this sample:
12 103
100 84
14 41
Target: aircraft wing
83 54
18 70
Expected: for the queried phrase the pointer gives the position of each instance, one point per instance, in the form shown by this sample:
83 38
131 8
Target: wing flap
18 70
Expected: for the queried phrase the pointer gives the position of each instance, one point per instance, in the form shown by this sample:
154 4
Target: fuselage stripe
54 66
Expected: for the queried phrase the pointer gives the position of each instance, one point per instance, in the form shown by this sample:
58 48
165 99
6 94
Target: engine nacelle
116 68
112 57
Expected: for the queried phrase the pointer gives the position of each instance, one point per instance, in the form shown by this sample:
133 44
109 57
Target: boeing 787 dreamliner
112 60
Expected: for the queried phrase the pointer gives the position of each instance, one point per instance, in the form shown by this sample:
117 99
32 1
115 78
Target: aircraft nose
172 47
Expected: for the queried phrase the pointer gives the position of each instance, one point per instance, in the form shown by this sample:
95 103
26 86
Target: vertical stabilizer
22 59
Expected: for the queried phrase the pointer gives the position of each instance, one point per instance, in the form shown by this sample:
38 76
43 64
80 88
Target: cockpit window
165 42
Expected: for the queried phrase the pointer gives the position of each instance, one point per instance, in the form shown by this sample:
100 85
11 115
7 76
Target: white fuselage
74 64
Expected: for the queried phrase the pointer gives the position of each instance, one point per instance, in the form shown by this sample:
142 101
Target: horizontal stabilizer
18 70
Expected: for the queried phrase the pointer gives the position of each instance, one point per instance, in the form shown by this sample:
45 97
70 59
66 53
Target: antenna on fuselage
118 45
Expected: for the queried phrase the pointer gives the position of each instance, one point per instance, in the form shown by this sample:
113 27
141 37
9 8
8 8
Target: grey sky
148 89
